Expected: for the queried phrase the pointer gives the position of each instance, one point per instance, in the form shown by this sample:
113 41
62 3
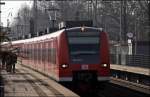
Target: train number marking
84 67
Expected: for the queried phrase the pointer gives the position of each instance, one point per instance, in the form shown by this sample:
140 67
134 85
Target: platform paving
28 83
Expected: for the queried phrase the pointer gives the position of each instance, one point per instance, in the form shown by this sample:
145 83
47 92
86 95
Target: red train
73 54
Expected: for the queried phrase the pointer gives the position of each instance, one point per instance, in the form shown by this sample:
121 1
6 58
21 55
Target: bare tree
105 14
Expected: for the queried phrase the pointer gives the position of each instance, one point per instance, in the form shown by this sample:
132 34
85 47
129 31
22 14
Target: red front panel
63 56
104 55
104 58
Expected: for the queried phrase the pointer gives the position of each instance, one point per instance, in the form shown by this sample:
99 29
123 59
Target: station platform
132 69
28 83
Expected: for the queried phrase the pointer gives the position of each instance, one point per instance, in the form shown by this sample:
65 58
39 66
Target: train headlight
64 66
83 29
104 65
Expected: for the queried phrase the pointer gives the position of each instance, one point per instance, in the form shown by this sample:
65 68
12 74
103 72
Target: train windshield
84 47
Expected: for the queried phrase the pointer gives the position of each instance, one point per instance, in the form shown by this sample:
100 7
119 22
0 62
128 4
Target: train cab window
84 48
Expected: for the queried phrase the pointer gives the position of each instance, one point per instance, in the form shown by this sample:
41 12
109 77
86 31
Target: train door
33 55
53 58
41 68
32 49
49 57
54 54
46 57
38 55
29 53
25 57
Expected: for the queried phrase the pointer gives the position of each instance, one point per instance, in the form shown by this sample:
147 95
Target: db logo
84 67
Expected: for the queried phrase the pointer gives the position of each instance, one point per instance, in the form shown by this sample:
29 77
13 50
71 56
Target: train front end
84 55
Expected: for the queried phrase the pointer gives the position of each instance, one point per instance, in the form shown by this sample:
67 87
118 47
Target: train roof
86 28
39 38
54 34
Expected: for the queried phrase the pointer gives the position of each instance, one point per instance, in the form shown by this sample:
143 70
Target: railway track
114 90
131 85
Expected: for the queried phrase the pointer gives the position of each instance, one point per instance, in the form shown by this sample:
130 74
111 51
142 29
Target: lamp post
149 14
35 18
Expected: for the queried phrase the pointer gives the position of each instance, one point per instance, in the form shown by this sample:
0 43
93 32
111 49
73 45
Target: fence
131 60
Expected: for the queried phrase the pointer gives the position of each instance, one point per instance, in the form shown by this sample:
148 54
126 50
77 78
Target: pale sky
10 9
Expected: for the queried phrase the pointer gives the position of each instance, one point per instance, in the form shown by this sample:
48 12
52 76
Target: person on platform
14 61
8 62
4 58
11 60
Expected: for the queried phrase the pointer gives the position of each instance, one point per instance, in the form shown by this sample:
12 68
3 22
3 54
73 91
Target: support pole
35 18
